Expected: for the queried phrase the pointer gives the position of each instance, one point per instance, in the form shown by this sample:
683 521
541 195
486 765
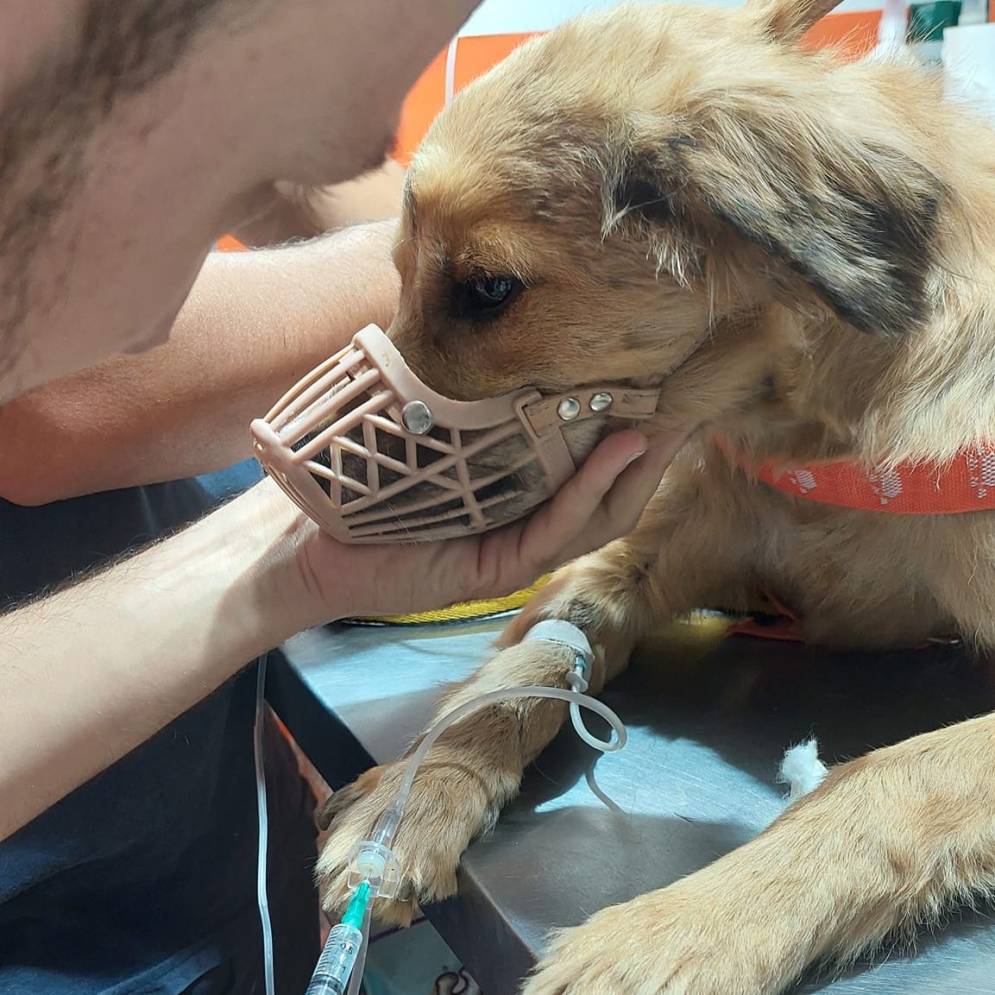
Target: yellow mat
708 626
462 612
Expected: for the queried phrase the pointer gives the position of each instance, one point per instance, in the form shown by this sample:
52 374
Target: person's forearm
90 673
253 324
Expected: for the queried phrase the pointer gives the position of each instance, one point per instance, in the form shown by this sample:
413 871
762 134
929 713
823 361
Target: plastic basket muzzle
372 454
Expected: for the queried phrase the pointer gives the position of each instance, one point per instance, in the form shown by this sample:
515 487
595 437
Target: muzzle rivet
416 416
602 401
568 408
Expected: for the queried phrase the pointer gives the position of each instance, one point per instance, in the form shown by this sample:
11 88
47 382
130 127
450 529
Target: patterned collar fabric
964 484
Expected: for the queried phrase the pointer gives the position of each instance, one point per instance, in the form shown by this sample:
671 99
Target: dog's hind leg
668 565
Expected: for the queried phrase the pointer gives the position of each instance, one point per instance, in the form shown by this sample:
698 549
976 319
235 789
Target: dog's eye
485 295
492 291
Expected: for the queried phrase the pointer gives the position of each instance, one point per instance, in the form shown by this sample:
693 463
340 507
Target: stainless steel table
707 731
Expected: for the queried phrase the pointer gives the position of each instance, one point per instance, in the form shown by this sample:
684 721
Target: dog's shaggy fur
803 253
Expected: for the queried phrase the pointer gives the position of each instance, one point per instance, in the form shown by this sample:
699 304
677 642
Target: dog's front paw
683 940
443 814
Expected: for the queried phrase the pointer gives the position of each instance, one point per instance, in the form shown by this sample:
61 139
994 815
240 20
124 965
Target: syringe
338 956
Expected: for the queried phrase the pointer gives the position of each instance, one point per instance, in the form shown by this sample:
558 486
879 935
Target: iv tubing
262 816
573 697
383 834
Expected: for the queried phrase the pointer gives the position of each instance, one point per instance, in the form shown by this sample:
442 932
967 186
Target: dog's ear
787 20
856 220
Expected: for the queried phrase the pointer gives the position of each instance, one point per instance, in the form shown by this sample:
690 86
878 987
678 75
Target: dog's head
633 185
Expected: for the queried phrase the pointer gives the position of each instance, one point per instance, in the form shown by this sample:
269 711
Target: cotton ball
802 770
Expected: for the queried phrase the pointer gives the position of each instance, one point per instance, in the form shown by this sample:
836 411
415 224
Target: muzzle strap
549 413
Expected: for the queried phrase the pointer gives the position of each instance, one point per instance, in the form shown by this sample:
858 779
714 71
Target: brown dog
803 253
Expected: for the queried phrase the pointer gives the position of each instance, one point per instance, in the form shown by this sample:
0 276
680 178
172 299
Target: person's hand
601 502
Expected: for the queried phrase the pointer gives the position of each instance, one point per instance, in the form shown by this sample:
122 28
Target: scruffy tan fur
802 252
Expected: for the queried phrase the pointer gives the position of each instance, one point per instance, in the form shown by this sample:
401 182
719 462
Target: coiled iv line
374 870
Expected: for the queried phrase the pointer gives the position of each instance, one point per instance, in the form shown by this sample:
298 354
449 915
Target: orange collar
966 483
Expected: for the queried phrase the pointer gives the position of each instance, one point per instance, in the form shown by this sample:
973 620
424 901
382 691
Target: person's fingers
569 511
584 515
516 554
602 501
622 507
630 494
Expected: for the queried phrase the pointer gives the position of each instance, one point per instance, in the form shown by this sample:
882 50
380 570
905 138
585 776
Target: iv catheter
374 870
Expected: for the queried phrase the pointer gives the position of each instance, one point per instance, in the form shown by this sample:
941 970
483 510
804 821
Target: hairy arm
90 673
253 324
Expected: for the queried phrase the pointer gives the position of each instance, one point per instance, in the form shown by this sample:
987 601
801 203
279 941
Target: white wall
494 17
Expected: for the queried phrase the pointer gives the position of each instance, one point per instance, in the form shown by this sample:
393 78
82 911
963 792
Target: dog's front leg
888 842
476 767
